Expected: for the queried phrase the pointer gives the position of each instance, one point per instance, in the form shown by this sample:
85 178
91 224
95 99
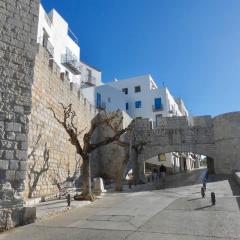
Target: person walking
154 175
163 171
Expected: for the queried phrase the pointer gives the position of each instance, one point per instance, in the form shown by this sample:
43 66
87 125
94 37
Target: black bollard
68 200
213 198
204 185
129 184
202 192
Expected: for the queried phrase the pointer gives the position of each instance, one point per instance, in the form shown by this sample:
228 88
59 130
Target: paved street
175 211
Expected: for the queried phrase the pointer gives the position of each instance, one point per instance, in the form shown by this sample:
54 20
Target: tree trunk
87 191
118 182
136 169
86 173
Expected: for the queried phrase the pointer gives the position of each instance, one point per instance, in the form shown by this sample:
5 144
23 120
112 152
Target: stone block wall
18 27
227 141
110 161
46 135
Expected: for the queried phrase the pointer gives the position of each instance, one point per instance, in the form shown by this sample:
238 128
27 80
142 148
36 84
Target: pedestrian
155 175
206 175
163 171
158 176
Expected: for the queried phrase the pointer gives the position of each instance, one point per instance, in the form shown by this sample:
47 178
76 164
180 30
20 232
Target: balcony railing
47 45
157 108
71 62
101 106
88 80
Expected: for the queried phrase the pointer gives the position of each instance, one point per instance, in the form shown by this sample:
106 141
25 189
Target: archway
175 161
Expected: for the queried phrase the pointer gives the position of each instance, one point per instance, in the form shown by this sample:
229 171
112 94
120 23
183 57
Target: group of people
159 174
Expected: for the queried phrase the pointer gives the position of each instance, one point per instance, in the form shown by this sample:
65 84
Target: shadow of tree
64 183
35 167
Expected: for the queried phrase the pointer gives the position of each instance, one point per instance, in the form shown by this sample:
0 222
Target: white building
62 45
141 97
138 96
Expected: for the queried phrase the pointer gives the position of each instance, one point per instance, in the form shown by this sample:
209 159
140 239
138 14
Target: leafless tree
34 172
84 149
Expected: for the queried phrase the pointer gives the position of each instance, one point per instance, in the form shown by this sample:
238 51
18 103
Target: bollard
135 182
129 184
204 185
68 200
213 198
202 192
148 179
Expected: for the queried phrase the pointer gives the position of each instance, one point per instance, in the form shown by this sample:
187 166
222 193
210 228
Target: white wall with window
106 97
62 45
146 99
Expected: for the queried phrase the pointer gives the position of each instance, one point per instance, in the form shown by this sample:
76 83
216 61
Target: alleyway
175 211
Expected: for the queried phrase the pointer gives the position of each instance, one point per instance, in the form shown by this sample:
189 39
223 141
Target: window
125 90
99 99
158 103
137 89
138 104
158 119
89 75
127 106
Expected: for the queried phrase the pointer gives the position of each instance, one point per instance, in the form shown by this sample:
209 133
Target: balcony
88 81
101 106
157 108
71 62
47 45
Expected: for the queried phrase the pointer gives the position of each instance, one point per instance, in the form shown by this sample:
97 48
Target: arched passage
151 150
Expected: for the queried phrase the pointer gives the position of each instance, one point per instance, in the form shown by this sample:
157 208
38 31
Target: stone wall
227 142
50 88
110 161
18 26
218 138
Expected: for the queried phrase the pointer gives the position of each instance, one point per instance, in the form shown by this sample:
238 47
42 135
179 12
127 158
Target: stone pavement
176 211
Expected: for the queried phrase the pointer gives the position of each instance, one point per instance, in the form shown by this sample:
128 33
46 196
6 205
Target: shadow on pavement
203 207
194 199
235 187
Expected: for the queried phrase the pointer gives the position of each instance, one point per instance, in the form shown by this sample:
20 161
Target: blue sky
192 46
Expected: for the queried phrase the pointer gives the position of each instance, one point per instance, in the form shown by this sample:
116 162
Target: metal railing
157 108
89 80
101 106
70 61
72 35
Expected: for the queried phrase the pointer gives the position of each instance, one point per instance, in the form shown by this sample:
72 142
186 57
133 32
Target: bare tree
34 173
84 149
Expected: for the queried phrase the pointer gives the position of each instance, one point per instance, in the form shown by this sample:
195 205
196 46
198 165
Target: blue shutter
99 97
138 104
158 103
127 106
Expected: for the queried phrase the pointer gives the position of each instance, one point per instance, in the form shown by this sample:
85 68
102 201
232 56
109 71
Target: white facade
143 89
140 97
55 35
111 98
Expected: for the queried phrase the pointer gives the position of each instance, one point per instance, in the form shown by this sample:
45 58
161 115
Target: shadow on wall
36 169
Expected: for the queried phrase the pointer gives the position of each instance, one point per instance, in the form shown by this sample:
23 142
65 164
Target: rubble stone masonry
18 27
46 135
